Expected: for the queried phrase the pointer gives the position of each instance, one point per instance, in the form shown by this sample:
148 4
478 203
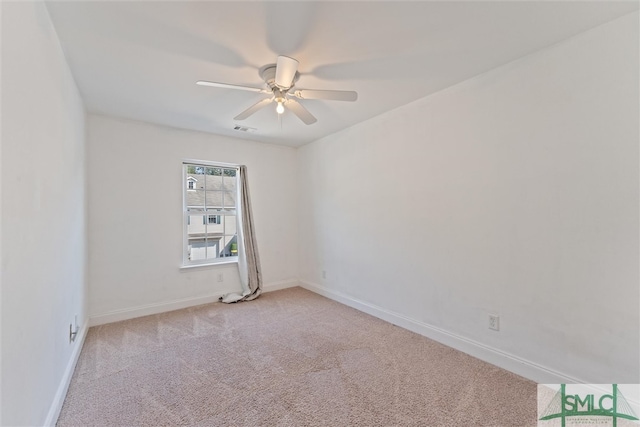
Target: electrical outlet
220 277
72 333
494 322
324 274
73 329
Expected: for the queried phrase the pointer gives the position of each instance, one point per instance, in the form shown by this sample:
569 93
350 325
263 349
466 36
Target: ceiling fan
280 79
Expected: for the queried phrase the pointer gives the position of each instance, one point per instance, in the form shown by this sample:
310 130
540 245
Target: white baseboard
162 307
276 286
149 309
61 393
510 362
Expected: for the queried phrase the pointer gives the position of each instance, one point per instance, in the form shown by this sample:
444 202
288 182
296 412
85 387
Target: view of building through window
209 213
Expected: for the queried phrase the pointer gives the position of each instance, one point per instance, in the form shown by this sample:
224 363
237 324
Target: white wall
514 193
135 216
43 216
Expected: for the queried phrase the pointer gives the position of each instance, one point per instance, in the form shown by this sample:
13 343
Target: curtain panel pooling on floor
248 258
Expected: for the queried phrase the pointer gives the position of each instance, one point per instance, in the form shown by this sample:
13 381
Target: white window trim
228 260
186 262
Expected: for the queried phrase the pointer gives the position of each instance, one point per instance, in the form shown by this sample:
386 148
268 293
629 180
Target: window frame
186 213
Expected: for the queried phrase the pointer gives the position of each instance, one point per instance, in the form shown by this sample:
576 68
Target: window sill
232 260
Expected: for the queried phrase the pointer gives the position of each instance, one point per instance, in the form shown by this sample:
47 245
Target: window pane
228 246
214 227
213 248
194 169
229 183
213 179
233 246
229 199
214 200
196 227
229 224
195 199
195 172
214 171
197 250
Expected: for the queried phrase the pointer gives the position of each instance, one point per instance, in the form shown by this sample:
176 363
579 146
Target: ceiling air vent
244 129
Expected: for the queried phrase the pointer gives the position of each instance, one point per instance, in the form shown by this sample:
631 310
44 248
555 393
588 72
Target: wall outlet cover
494 322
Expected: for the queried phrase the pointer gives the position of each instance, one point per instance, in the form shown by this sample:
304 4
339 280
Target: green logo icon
565 405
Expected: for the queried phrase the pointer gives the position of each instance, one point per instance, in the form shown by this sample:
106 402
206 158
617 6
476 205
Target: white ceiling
140 60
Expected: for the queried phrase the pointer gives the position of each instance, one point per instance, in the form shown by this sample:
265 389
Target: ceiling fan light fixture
280 79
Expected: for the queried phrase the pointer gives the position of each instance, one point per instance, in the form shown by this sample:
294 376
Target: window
209 206
191 183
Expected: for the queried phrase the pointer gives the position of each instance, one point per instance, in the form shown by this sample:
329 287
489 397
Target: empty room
320 213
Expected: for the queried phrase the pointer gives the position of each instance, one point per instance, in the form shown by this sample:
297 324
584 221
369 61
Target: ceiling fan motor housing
268 74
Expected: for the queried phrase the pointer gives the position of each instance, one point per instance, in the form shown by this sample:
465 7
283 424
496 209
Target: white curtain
248 259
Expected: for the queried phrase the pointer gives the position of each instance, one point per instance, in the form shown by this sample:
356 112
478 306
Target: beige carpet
289 358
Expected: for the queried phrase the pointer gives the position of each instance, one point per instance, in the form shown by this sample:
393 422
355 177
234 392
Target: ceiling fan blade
255 107
228 86
286 69
333 95
302 113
